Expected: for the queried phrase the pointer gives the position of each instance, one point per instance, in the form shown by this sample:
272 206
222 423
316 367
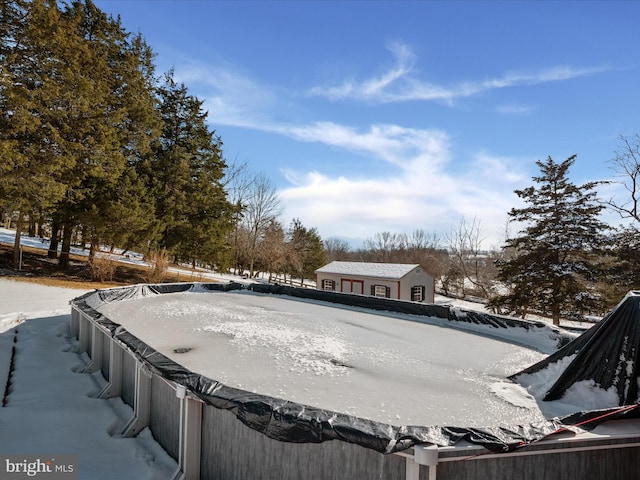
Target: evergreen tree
122 211
110 116
306 251
186 173
34 169
553 264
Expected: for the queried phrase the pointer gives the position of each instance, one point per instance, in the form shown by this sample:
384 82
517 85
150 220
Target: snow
583 395
51 408
370 364
364 269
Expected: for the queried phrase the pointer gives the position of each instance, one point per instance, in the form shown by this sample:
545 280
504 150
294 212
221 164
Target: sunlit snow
365 363
50 408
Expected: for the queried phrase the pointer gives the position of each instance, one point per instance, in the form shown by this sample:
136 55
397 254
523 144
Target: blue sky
372 116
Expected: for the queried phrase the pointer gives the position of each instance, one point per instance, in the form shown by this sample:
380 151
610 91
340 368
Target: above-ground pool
272 383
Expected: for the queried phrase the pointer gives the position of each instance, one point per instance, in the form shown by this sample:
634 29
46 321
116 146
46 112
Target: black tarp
414 308
607 354
292 422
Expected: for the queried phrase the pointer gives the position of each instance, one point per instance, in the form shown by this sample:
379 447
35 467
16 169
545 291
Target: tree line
101 150
93 140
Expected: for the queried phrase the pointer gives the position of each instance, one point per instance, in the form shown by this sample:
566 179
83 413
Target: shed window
380 291
328 284
417 293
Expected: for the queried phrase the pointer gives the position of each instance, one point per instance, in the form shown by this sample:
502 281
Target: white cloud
419 193
400 85
231 97
408 148
419 189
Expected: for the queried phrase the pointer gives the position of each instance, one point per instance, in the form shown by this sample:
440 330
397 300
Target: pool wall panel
232 451
602 464
128 380
165 415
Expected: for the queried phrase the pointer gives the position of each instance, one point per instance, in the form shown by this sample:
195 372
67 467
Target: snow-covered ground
50 408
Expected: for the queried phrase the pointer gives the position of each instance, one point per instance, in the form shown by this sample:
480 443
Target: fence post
422 455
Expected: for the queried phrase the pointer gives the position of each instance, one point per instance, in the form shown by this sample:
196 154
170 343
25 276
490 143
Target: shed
400 281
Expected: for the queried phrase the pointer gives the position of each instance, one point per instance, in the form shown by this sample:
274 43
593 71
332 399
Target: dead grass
38 268
59 282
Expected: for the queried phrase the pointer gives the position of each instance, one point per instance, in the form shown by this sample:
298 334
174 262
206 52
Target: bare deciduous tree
384 246
237 183
626 164
261 209
336 249
467 256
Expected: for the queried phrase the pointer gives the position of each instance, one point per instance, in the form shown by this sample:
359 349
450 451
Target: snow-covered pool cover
369 364
598 370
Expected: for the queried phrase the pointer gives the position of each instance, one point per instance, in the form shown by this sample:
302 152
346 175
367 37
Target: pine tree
186 171
111 118
33 171
553 262
306 250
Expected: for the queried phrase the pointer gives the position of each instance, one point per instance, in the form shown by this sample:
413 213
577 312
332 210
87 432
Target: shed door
352 286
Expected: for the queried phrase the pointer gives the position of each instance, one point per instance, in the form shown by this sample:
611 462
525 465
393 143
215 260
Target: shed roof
365 269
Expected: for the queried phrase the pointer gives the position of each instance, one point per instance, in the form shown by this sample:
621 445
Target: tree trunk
16 243
53 245
67 231
33 228
92 250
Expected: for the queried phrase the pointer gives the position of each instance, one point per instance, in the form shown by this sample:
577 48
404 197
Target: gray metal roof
365 269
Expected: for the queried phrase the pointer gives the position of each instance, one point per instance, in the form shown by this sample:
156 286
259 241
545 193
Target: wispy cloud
404 147
423 185
515 109
400 84
418 192
232 97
